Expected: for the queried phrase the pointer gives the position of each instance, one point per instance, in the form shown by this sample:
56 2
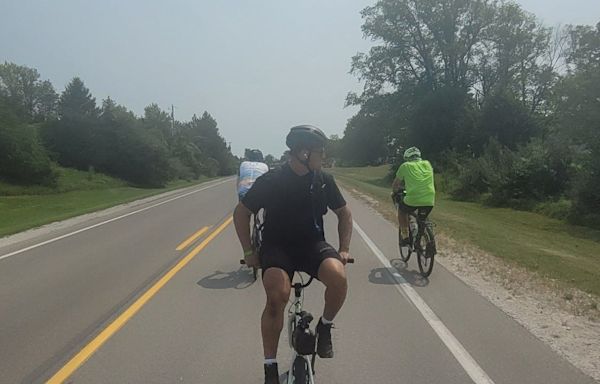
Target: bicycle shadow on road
386 275
239 279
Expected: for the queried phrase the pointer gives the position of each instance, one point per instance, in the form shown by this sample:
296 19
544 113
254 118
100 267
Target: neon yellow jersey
418 182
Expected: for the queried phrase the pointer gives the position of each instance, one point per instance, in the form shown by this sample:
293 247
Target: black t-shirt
294 206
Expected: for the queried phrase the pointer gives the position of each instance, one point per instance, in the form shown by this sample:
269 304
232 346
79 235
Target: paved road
111 300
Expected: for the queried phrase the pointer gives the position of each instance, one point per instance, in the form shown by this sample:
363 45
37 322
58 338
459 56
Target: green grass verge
550 247
77 193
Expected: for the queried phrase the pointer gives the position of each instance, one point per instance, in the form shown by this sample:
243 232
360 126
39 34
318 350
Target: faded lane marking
191 239
108 221
87 351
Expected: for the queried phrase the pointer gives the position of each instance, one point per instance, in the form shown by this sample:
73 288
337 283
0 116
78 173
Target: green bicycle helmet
412 153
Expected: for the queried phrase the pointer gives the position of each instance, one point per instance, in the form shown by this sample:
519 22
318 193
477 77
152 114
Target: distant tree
270 160
71 137
508 120
205 135
578 121
22 157
77 103
517 57
440 121
435 65
31 99
155 119
124 149
584 48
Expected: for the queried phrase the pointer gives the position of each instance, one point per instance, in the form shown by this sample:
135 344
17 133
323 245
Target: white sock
270 361
325 321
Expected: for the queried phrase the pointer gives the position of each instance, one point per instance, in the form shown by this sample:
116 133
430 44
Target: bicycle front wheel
300 371
426 252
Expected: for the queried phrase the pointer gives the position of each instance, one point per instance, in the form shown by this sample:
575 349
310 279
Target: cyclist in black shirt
295 198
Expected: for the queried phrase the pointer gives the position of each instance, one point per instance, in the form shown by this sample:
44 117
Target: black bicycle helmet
305 136
255 155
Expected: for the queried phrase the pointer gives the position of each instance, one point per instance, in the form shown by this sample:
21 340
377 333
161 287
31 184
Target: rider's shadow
240 279
386 275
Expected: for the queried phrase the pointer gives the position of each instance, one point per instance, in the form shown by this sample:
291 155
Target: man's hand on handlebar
251 259
345 256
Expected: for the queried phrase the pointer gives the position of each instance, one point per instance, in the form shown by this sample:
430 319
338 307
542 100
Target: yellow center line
192 238
98 341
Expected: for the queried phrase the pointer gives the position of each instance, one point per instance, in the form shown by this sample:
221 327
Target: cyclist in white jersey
250 170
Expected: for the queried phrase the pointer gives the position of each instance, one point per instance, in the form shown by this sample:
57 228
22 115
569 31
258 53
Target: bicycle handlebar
349 261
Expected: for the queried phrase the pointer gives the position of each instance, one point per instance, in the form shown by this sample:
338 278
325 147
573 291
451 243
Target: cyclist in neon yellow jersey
415 176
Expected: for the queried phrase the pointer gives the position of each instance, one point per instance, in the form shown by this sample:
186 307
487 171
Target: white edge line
107 221
463 357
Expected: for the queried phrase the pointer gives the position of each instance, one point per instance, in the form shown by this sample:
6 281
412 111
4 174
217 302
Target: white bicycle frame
293 319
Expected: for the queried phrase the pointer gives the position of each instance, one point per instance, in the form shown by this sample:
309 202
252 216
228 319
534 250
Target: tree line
40 128
507 109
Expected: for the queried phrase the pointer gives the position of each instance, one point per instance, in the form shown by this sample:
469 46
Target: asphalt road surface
153 293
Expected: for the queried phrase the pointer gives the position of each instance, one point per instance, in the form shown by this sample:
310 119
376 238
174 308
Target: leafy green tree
157 120
22 157
584 48
205 135
522 58
578 121
508 120
364 142
77 103
441 120
428 42
30 98
433 55
124 149
270 160
71 137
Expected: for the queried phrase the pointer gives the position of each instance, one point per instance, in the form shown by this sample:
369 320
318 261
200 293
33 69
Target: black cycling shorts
404 208
304 258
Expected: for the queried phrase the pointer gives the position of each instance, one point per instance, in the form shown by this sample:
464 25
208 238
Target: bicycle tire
404 250
300 371
426 262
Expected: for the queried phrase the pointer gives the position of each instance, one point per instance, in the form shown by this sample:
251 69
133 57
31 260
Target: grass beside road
77 193
552 248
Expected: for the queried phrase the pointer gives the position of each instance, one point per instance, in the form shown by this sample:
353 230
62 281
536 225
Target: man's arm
241 220
344 231
398 181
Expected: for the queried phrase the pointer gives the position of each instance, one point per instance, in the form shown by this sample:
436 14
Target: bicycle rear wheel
426 252
300 371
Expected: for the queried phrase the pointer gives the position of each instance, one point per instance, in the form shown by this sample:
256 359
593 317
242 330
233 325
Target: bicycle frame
421 222
416 216
294 317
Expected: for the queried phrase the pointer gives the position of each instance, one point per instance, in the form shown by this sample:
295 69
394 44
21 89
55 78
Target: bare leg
277 287
333 275
403 223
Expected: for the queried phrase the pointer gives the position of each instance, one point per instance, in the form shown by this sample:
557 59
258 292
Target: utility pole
172 120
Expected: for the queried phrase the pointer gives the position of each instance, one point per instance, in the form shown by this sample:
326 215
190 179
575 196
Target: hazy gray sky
258 66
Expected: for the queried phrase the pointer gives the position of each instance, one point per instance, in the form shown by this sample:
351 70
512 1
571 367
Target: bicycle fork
294 316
